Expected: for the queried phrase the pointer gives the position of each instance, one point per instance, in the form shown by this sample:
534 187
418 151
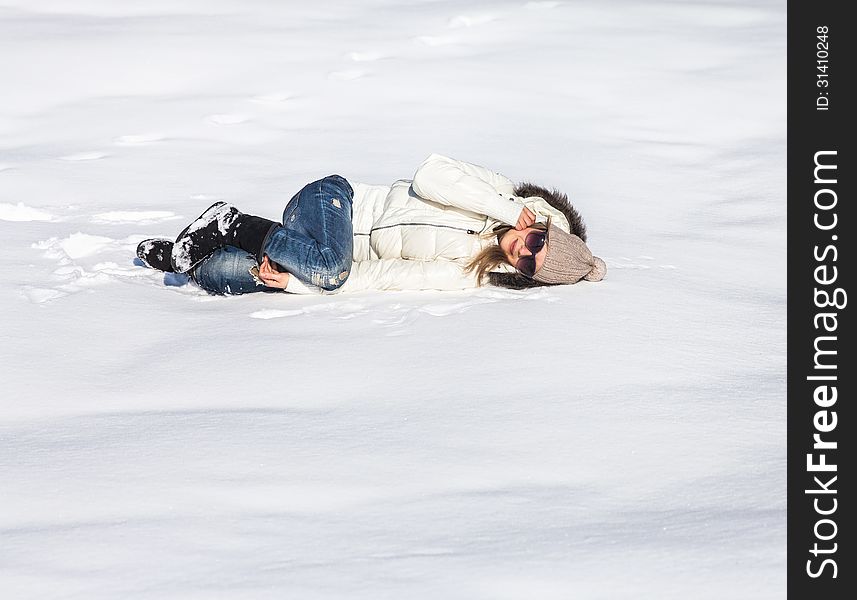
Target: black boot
250 233
203 236
220 225
156 253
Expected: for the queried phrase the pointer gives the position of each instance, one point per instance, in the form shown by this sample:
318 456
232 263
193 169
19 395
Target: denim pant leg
316 242
227 271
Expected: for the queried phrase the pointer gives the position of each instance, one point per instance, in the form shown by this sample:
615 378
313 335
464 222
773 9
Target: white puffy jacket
419 234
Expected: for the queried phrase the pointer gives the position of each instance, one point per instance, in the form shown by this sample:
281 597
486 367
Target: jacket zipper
468 231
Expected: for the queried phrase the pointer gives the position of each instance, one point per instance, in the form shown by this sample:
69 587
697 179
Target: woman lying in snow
456 225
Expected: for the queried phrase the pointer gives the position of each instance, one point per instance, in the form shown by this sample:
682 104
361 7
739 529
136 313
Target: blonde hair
493 256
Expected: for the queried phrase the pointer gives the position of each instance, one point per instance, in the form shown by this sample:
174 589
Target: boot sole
147 247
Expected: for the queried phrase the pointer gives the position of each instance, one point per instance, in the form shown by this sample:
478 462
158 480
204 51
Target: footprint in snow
21 212
227 119
112 268
84 156
345 309
435 40
72 278
41 295
396 317
469 21
77 245
78 268
276 99
365 56
347 75
139 139
275 314
339 307
443 310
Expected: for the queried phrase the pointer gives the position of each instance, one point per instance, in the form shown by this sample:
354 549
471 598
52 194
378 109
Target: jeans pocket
342 182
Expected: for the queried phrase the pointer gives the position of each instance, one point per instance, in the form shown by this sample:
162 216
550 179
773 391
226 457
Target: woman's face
514 247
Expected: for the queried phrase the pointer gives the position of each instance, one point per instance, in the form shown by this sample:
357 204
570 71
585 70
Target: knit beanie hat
568 260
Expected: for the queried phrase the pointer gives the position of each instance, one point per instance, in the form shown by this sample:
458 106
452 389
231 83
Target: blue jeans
227 271
314 244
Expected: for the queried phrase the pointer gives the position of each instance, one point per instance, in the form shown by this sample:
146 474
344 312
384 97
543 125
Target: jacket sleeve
403 274
467 186
296 286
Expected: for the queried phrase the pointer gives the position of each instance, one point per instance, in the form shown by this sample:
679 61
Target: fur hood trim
560 202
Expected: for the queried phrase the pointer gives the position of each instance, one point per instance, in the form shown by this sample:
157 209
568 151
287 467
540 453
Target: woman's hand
526 219
272 277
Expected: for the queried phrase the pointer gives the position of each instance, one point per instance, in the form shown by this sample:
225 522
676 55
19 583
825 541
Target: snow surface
624 439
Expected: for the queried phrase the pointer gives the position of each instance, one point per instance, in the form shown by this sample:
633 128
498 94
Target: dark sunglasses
534 242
